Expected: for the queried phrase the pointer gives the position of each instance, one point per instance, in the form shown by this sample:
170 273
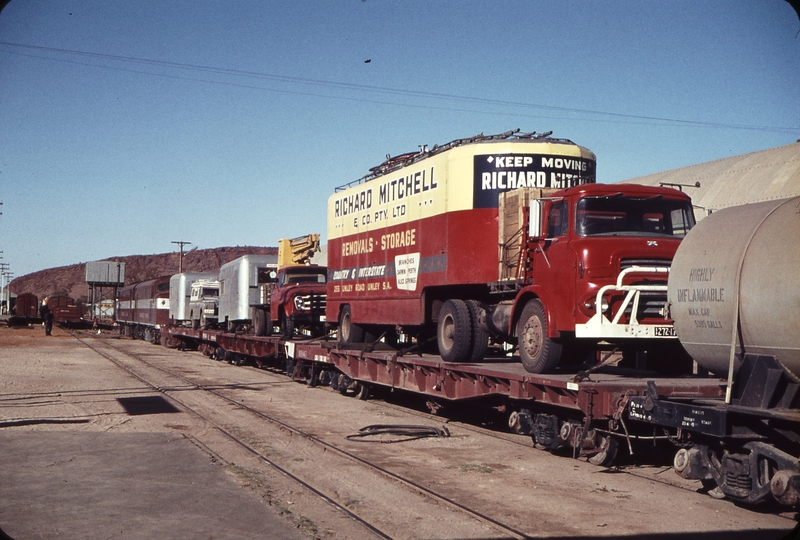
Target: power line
611 116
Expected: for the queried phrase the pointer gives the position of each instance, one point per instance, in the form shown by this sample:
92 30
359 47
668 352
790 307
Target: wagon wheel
334 378
345 384
712 489
608 451
362 391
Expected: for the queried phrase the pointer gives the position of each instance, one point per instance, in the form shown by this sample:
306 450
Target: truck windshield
616 215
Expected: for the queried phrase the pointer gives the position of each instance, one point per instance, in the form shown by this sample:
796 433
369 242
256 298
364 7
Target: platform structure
104 278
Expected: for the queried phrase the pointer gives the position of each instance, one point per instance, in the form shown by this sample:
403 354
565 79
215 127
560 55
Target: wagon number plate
664 331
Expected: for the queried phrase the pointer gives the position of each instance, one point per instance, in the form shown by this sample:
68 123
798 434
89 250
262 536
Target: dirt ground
57 387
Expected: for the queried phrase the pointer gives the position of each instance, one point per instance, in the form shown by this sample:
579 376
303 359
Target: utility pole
180 263
5 276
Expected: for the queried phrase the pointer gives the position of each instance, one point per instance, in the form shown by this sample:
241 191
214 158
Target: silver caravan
239 281
180 289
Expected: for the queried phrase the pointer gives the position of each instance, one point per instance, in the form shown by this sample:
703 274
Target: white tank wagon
734 283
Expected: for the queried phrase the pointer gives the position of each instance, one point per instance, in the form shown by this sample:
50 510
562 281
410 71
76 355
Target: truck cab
204 303
596 268
295 299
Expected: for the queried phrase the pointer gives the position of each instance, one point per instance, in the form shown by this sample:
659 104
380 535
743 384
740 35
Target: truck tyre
349 332
480 337
268 328
260 322
287 327
538 353
454 332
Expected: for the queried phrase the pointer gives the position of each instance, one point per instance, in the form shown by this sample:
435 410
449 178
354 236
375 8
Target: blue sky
127 125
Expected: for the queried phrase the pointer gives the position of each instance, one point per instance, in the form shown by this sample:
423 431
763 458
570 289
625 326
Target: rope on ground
405 432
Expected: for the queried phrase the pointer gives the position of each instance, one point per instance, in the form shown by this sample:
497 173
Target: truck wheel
480 337
349 332
287 327
268 328
538 353
454 333
260 322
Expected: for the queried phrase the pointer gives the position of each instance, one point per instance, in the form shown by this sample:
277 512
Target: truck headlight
591 305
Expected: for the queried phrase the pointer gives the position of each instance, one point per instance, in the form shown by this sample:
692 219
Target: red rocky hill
71 280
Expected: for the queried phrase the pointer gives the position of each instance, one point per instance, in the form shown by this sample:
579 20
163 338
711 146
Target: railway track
386 491
183 390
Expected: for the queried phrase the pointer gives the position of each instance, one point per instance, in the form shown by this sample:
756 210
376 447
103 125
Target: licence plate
664 331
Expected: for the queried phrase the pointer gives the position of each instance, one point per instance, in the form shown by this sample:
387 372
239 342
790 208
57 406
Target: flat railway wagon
745 451
584 409
143 309
736 429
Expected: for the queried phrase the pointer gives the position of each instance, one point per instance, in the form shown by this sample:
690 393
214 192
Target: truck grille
651 305
311 302
659 263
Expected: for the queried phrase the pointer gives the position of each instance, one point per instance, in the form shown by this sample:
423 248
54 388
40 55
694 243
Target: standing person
47 317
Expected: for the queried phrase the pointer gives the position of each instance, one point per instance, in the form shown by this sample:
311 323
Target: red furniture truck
502 239
295 298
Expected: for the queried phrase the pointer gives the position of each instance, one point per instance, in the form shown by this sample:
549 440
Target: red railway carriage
27 306
143 308
65 310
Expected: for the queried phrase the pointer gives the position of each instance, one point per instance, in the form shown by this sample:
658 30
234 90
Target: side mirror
535 219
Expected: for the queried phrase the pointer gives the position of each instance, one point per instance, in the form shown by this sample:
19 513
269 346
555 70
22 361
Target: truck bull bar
601 327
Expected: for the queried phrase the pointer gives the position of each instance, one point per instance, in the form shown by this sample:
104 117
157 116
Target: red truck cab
597 260
296 302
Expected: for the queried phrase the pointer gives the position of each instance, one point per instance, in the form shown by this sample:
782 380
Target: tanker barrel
740 266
